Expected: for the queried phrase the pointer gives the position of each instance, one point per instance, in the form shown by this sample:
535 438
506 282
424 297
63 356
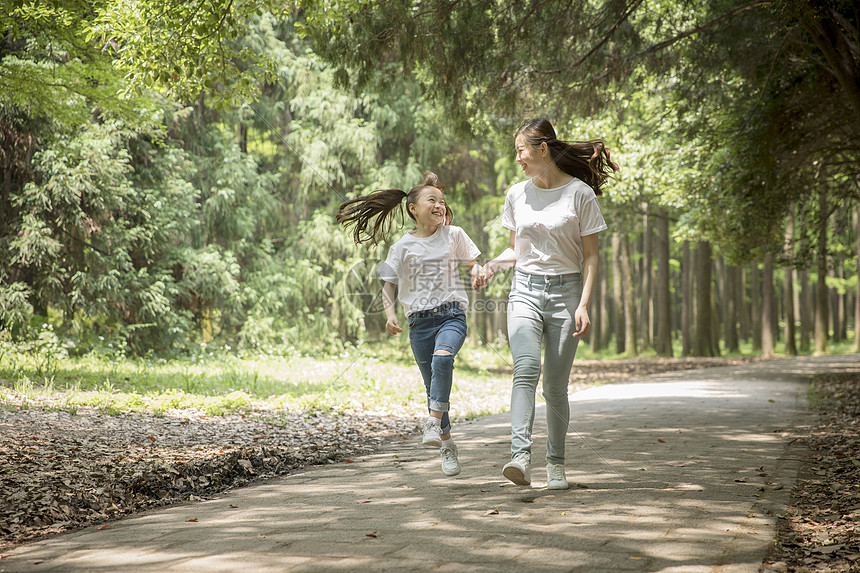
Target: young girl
422 268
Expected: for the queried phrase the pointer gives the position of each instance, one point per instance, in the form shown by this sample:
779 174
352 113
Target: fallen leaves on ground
63 472
820 527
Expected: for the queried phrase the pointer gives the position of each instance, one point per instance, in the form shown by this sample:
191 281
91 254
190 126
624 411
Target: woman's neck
552 178
422 230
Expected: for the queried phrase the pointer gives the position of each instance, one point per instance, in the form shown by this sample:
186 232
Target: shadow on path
675 472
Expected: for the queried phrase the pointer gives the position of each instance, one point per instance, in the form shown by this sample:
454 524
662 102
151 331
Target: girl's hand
479 277
392 326
581 321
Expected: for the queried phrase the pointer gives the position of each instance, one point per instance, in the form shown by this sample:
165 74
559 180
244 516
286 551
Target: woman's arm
590 263
391 324
505 260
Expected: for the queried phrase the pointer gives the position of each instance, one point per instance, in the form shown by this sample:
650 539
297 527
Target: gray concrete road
676 472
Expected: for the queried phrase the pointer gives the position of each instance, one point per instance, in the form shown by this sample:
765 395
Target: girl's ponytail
359 212
380 205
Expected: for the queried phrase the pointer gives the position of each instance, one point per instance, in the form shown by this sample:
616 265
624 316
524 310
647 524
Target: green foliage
50 68
189 48
94 245
135 221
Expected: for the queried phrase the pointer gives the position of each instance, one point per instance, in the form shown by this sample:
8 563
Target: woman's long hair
585 160
372 216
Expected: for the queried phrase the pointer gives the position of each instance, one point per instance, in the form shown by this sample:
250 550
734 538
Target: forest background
170 171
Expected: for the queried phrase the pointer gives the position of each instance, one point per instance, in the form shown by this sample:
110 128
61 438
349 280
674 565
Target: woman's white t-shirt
425 269
550 224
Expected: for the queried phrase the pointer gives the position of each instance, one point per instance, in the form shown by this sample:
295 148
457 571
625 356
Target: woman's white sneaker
555 477
517 470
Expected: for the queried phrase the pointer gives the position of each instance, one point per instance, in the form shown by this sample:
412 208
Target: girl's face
532 159
430 207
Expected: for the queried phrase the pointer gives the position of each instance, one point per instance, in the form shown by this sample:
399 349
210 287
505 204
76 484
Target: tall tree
663 310
687 301
821 311
730 326
703 343
856 216
646 274
631 346
768 336
618 293
788 289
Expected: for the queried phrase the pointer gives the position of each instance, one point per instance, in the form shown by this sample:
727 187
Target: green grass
220 382
379 377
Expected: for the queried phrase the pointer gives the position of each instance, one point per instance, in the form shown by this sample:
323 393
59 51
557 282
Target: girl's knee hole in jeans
442 352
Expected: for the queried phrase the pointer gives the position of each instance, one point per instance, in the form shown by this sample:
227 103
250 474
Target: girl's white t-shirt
425 269
550 224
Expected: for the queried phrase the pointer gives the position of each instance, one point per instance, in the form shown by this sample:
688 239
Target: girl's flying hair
379 207
585 160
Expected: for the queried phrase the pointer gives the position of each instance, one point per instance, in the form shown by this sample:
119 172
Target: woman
554 219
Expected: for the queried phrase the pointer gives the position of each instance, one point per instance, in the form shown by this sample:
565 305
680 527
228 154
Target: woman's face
530 158
430 207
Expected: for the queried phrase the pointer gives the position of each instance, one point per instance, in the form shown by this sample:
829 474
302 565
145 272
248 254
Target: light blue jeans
541 309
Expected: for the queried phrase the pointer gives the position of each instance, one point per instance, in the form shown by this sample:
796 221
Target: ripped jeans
439 329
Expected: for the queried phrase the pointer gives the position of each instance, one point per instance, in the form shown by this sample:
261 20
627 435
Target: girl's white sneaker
450 464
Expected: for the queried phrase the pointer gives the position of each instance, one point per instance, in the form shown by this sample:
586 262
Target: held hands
392 326
481 276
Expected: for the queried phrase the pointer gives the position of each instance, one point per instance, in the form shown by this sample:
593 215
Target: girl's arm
391 324
590 262
505 260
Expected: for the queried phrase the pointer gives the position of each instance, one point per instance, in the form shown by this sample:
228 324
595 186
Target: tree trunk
843 305
730 322
663 310
755 306
646 326
630 338
743 305
788 288
768 336
243 137
821 319
606 328
835 318
716 325
617 293
686 301
857 287
703 343
805 308
596 313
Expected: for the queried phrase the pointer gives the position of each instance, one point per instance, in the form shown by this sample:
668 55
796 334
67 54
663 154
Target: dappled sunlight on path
682 473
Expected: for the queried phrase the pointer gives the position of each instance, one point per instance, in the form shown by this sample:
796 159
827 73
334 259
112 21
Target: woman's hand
581 321
392 326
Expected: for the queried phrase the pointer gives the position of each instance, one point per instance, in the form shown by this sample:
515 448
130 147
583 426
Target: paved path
675 472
